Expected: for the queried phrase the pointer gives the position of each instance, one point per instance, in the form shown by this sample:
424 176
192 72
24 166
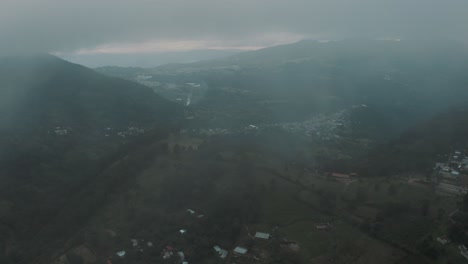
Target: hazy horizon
126 27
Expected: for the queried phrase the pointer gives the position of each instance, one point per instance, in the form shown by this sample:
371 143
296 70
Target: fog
68 26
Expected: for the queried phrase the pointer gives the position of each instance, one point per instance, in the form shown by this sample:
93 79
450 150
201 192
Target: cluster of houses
131 131
342 177
108 131
240 250
463 251
323 126
61 131
173 255
452 176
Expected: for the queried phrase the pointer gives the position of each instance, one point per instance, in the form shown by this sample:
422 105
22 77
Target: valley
325 151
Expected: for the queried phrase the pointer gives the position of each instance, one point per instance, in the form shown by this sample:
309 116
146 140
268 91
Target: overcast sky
100 26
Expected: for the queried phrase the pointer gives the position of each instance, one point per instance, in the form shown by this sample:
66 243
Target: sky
142 26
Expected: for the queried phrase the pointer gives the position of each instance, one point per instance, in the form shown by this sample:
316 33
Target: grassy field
296 221
291 204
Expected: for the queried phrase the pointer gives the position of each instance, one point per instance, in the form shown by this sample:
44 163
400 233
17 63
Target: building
262 235
443 241
463 251
221 252
339 175
323 226
240 250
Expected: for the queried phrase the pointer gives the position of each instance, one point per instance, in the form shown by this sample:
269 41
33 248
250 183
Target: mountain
146 59
61 126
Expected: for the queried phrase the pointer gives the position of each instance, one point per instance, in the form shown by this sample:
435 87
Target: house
443 241
191 211
240 250
121 253
339 175
445 168
181 255
221 252
323 226
463 251
183 231
455 172
262 235
134 242
166 254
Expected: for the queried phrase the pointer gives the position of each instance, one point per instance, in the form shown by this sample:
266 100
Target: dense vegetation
59 130
417 149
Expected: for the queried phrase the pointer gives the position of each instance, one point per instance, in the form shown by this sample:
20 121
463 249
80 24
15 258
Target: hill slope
420 147
61 125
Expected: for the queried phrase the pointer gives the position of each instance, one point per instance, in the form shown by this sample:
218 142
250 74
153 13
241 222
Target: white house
240 250
262 235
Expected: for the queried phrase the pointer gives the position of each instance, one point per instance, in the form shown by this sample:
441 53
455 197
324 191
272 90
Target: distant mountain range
146 59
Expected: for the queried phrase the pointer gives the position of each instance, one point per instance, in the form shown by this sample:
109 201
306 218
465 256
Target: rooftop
240 250
262 235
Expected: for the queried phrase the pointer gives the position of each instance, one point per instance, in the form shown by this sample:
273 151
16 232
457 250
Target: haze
117 26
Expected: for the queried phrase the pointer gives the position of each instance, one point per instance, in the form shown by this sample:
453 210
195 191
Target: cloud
68 25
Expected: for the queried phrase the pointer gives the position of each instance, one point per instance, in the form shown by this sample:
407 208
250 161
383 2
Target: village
253 247
334 200
451 177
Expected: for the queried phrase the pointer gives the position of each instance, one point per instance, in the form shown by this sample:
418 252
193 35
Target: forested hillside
417 149
60 125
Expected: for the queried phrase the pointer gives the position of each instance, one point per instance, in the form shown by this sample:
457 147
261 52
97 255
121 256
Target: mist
67 26
222 131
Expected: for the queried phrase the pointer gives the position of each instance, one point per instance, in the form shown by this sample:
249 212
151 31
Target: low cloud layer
87 25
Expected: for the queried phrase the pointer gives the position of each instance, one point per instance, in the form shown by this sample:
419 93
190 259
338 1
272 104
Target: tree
361 195
440 213
464 205
425 207
392 189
